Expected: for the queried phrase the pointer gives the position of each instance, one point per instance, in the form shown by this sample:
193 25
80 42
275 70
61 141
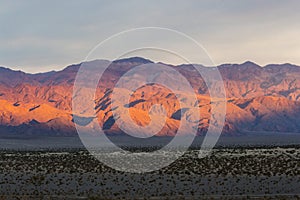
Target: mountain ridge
258 99
144 61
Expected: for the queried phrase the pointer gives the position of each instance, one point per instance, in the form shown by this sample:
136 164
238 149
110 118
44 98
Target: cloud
56 33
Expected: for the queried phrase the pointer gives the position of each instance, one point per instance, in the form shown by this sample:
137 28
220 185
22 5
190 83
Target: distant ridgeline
258 99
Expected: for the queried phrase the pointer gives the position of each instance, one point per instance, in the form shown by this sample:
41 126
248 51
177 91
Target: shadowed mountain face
258 99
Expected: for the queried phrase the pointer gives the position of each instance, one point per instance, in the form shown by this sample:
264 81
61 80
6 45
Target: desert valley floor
42 168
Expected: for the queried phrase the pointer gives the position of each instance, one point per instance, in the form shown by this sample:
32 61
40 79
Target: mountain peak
247 63
133 60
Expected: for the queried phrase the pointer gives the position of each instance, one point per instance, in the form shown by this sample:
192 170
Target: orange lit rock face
258 99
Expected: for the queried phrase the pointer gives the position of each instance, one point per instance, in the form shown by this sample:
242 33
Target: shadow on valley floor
257 139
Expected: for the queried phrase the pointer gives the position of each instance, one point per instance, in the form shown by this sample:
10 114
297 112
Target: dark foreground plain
38 170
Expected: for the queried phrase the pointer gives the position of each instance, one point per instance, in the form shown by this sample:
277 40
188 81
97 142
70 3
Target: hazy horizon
59 68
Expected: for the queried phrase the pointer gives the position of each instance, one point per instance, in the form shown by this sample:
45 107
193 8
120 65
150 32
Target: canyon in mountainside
259 99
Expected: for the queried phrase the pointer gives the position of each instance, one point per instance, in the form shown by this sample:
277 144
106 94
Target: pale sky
38 36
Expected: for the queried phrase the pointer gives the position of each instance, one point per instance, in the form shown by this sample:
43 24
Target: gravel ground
228 173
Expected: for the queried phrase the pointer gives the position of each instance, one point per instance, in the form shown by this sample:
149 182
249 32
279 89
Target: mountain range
259 99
